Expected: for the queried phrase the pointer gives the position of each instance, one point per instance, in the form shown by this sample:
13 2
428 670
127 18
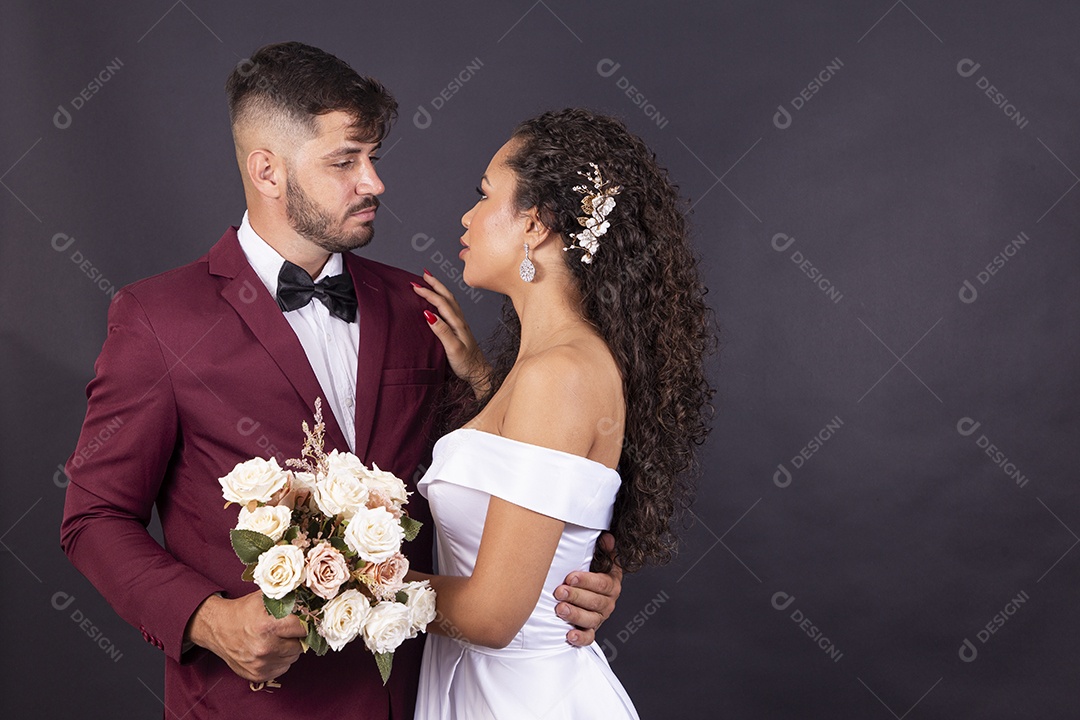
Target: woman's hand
462 351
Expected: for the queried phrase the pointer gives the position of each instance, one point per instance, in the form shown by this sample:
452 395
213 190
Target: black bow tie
295 290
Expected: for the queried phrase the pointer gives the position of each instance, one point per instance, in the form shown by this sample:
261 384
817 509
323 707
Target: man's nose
370 183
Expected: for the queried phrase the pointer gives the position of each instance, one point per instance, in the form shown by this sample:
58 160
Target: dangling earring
527 269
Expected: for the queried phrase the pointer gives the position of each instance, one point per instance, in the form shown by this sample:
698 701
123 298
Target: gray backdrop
884 196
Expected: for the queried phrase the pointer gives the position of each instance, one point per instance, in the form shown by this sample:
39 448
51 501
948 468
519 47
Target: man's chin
352 242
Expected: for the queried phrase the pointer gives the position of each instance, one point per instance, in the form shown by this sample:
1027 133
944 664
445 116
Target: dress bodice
468 466
539 674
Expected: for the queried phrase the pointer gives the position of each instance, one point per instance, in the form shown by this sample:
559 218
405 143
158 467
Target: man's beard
316 225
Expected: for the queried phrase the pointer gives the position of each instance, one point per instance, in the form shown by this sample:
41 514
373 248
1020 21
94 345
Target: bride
588 419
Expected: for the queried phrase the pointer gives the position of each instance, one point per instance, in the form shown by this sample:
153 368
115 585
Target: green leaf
402 597
411 527
384 661
249 545
249 573
306 598
316 642
303 640
280 608
291 533
339 544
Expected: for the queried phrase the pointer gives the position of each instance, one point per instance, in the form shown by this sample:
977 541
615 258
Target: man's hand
588 599
256 645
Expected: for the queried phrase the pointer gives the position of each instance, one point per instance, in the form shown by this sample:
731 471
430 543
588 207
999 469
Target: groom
219 361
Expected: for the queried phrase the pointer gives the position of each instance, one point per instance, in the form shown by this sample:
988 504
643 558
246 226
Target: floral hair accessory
597 204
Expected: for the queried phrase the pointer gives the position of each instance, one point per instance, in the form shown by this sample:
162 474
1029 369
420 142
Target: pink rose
325 571
293 495
387 577
380 498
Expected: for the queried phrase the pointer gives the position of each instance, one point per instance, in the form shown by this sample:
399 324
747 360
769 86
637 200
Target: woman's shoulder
576 370
564 397
585 354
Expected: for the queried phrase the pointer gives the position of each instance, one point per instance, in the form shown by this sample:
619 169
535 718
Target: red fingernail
430 317
416 285
428 272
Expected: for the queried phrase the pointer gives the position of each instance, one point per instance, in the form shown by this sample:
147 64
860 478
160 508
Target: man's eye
374 159
481 194
343 164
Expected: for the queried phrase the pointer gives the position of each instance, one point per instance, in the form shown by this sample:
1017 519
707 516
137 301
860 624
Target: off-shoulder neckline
532 445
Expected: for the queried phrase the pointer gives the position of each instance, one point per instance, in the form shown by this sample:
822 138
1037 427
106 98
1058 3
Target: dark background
899 179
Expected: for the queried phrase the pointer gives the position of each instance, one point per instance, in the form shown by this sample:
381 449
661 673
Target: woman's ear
266 172
536 233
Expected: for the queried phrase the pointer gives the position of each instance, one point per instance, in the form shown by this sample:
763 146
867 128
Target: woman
588 419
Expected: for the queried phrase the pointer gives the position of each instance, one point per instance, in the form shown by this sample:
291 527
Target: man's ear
535 232
266 171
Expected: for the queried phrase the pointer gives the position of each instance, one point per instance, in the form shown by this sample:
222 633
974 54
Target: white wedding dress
539 674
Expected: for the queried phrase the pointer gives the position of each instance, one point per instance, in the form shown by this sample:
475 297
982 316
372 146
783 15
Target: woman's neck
547 313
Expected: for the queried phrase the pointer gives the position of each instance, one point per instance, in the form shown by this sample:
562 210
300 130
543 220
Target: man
220 360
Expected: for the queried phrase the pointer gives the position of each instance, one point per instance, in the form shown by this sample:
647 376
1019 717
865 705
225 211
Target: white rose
303 481
257 479
341 492
343 618
421 606
388 484
374 534
270 520
345 462
386 627
280 570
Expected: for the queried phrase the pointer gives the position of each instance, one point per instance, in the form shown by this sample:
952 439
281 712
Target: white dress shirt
332 345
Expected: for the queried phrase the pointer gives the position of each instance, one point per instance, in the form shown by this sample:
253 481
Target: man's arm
112 489
128 439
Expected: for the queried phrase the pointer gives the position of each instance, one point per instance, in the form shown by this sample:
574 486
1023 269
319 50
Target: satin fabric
539 674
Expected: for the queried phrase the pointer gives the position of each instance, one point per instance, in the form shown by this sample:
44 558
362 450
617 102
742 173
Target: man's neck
290 246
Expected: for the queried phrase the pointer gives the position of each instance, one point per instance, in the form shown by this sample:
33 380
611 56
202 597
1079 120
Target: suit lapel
258 309
374 333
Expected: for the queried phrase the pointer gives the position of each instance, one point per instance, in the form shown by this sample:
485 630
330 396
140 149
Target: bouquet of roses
323 541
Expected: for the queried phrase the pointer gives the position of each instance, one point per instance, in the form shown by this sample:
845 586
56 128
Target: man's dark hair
293 83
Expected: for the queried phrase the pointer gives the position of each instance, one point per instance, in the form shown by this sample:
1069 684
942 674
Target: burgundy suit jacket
200 370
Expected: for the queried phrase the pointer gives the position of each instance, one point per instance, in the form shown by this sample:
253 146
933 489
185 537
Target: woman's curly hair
643 294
